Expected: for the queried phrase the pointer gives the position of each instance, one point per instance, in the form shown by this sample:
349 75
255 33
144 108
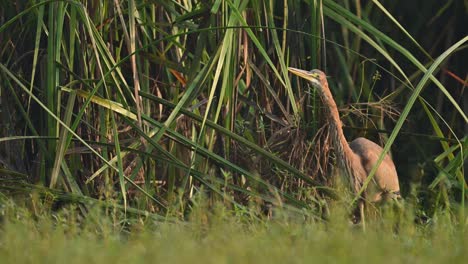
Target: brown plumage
357 158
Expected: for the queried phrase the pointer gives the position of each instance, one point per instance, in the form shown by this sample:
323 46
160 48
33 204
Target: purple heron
357 158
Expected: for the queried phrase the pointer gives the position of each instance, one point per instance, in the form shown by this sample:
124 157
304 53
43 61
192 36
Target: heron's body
386 177
359 157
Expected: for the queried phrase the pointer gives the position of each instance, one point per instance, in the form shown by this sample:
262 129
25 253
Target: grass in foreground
219 237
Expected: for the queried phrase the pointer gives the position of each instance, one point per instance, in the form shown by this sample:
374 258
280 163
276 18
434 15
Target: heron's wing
386 176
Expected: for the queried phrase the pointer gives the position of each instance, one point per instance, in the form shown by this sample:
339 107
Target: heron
357 158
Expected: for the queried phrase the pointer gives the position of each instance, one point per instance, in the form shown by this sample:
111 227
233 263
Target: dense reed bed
139 107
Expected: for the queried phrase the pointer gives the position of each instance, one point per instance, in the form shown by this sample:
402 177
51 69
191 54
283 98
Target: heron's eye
314 75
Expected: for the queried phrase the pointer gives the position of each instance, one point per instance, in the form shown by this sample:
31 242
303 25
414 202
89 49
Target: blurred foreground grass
221 237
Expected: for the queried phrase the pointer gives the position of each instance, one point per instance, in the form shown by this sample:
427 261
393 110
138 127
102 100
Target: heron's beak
311 76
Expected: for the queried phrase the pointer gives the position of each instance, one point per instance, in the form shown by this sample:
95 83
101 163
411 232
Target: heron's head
316 77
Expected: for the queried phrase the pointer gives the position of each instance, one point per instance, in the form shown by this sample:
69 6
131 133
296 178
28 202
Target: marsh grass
218 236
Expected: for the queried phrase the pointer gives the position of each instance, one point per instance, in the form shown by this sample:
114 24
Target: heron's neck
343 152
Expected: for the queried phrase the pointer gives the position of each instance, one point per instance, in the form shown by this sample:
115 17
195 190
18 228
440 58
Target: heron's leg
361 213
